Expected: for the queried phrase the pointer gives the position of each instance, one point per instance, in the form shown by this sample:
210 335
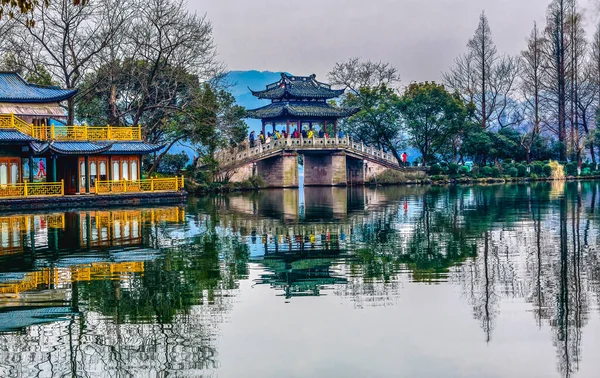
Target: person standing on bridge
310 134
296 134
404 158
304 133
251 139
261 137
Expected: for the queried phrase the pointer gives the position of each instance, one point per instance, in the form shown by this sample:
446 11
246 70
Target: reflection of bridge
277 223
327 162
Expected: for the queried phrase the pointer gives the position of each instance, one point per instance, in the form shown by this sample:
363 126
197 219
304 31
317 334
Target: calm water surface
498 281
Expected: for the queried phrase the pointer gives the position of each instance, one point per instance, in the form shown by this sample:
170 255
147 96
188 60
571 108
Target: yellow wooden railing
61 276
32 189
71 133
169 184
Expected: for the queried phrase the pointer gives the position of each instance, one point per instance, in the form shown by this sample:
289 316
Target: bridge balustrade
246 152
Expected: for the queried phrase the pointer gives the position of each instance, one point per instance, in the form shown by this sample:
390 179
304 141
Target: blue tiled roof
132 148
300 109
70 148
14 89
299 87
10 135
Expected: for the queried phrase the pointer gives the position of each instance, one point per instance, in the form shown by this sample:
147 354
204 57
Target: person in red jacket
404 159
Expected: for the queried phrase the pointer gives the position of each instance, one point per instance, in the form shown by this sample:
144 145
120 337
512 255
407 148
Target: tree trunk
71 111
160 156
114 120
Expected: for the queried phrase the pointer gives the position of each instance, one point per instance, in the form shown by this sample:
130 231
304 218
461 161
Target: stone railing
245 153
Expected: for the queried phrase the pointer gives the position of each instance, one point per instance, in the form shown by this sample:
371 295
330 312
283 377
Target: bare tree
153 76
578 46
556 69
67 39
355 74
484 53
594 78
503 83
531 86
486 79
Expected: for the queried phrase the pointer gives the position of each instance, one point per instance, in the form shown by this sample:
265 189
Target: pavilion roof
134 147
300 109
70 148
12 135
299 87
14 89
92 148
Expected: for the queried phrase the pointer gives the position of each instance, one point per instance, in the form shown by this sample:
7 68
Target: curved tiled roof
14 89
299 109
71 148
298 87
11 135
132 148
93 148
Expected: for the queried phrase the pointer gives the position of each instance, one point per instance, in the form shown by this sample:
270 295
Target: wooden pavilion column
263 129
109 169
274 127
53 157
325 126
86 159
335 127
287 127
299 126
30 178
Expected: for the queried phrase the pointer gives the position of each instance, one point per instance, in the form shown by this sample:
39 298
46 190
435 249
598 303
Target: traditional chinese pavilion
39 156
299 101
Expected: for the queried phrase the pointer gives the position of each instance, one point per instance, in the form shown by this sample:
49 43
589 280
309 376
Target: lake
483 281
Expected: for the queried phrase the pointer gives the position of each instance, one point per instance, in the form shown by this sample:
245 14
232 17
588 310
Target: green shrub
547 170
495 171
453 168
522 170
512 172
487 171
257 182
571 169
534 176
464 170
438 178
537 168
435 169
586 172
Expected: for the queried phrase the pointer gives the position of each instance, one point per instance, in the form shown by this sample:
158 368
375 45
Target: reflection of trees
161 321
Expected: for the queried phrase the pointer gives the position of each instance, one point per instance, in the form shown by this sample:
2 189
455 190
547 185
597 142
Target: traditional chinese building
40 156
301 102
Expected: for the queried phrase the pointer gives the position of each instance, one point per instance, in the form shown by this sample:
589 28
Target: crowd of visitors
310 133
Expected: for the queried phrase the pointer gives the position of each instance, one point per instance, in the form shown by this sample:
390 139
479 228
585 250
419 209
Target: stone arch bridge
327 162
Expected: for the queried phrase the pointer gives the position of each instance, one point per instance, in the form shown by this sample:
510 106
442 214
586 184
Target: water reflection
141 292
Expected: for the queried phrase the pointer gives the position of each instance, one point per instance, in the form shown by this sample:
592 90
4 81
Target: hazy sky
420 37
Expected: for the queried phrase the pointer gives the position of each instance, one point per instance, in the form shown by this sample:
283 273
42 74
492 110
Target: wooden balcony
72 133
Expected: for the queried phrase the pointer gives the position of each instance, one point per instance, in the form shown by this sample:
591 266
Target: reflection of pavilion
80 230
56 240
299 276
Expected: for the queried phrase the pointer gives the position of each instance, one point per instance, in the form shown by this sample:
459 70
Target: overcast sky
420 37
